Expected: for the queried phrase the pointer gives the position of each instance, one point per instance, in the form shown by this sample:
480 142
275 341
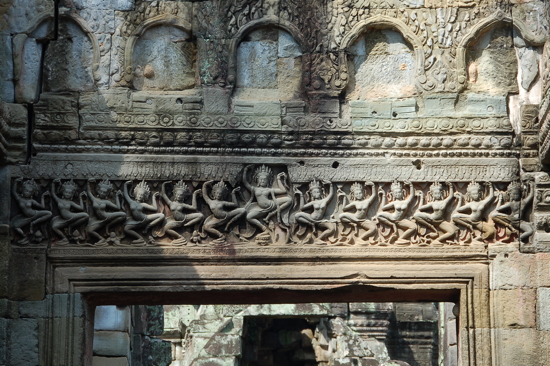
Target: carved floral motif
71 215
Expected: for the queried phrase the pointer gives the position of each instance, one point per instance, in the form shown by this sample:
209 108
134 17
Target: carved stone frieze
270 251
404 169
271 204
392 148
258 122
313 151
182 121
433 125
121 126
279 221
312 165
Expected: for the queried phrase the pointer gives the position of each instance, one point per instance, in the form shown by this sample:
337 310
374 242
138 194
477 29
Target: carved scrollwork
328 72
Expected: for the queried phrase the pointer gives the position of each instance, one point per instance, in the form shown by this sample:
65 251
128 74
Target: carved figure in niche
139 219
103 218
361 204
68 219
435 221
400 206
269 202
475 205
177 218
516 207
30 216
223 211
318 202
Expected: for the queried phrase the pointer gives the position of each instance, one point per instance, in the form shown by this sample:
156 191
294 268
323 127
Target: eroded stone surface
515 308
73 55
111 343
494 48
513 271
160 54
6 68
109 361
112 318
23 342
22 15
384 66
517 345
372 132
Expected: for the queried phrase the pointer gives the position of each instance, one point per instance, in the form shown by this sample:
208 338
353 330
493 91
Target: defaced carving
359 202
435 221
317 201
400 205
32 214
470 214
177 218
511 214
138 219
107 213
67 219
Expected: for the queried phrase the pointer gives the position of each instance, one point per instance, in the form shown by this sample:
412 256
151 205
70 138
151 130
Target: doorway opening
305 334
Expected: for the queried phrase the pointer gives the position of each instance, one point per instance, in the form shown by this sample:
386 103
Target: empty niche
28 80
491 62
383 64
69 59
269 66
164 59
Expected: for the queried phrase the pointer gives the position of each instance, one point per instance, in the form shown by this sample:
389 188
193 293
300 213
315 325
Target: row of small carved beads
266 208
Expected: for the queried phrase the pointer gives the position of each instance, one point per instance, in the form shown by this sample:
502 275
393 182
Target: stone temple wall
258 151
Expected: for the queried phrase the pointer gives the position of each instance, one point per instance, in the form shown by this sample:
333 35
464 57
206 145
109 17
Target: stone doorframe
172 280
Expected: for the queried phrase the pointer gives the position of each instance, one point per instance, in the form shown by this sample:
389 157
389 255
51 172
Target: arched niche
370 44
71 61
491 61
473 39
267 65
160 55
164 59
28 49
382 65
